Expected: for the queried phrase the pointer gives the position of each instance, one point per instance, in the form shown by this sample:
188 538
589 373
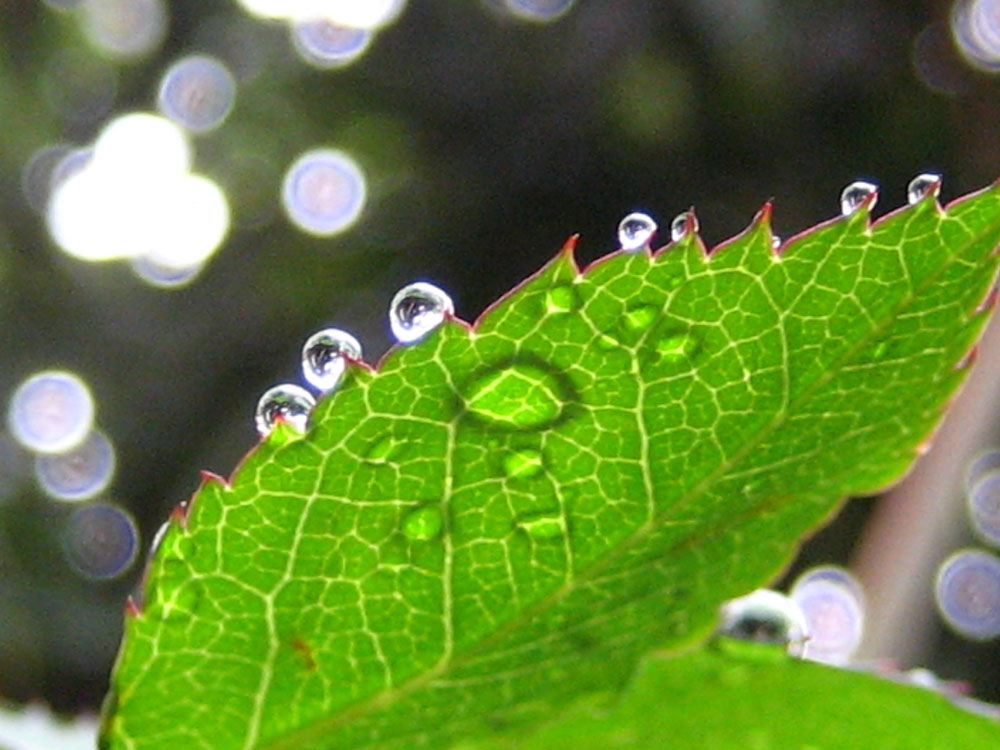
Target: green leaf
502 518
707 699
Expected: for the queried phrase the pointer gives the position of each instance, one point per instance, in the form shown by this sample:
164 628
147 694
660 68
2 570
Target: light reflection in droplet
325 44
197 92
100 541
967 593
125 29
975 27
51 412
324 192
80 473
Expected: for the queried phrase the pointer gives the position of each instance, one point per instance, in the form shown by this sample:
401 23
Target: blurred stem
923 518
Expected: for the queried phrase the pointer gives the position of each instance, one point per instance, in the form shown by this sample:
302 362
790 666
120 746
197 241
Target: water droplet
968 594
561 299
635 232
983 502
681 224
325 355
100 541
677 346
854 195
382 450
830 599
522 464
416 310
51 412
197 92
606 342
921 186
517 396
880 349
543 525
775 242
640 318
764 616
177 596
423 524
290 403
78 474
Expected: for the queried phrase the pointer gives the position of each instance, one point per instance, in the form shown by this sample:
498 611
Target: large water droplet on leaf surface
921 186
520 395
416 310
764 616
635 232
854 195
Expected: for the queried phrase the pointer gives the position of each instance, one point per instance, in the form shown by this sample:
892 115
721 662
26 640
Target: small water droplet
561 299
635 232
677 346
325 356
921 186
416 310
518 396
522 464
880 349
775 241
290 403
854 195
177 595
382 450
423 524
543 525
679 226
764 616
640 318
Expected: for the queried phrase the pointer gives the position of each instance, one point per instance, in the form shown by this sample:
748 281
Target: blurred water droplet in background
73 161
967 593
636 231
51 412
975 27
197 92
541 11
323 192
125 29
288 402
983 502
831 601
979 466
325 355
921 186
37 173
764 616
361 14
100 541
80 473
163 277
854 196
416 310
324 44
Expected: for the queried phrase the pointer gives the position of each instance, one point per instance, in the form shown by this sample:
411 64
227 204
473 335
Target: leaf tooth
990 300
968 359
133 608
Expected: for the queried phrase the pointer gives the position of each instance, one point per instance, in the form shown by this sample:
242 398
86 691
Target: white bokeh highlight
324 192
51 412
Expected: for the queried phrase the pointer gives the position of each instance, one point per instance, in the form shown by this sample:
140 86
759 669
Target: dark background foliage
486 141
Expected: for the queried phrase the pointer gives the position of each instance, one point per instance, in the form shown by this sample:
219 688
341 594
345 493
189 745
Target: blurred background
157 274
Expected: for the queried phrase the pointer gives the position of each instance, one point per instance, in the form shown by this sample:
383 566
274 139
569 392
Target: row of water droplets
636 230
415 310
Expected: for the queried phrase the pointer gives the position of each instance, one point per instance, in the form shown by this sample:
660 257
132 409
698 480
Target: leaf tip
132 607
568 250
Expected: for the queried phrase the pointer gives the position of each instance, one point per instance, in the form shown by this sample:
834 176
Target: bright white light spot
197 92
125 28
975 26
325 44
361 14
78 474
51 412
136 198
324 192
144 143
539 10
100 541
191 223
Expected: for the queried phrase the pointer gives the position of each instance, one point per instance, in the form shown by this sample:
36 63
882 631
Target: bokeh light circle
51 412
80 473
100 541
324 192
967 593
197 92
